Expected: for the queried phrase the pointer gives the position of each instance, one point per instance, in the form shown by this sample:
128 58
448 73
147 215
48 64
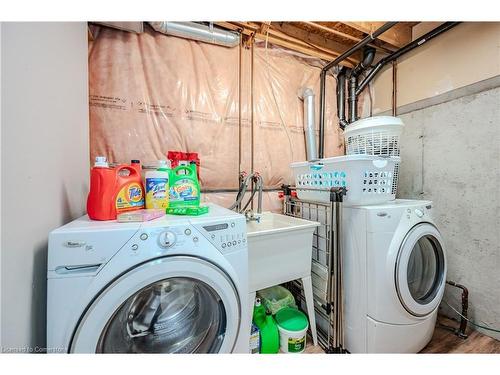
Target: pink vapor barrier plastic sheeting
150 93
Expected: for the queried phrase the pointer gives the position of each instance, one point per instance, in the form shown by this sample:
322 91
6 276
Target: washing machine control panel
227 236
167 239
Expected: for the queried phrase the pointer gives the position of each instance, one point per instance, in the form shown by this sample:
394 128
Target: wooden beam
355 39
318 40
332 31
397 36
264 27
299 48
89 34
280 38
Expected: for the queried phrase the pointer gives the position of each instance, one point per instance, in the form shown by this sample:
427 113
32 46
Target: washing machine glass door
171 305
421 270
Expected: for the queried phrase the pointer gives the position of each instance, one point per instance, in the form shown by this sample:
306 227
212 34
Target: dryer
172 285
394 267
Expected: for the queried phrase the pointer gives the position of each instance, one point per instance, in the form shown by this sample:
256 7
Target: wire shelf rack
326 265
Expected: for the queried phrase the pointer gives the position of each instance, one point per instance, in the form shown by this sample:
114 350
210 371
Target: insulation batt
150 93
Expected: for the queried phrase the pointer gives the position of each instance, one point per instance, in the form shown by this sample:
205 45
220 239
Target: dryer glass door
421 270
177 304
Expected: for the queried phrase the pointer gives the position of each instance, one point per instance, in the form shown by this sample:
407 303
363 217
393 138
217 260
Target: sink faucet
256 178
250 216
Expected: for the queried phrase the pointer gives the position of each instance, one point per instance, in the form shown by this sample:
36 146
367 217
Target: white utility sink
279 249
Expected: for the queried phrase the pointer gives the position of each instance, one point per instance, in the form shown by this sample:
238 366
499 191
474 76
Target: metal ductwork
197 31
307 95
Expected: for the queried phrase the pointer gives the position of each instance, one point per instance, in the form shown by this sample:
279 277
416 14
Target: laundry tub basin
279 249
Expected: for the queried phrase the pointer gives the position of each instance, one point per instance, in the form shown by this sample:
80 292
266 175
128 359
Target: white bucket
293 342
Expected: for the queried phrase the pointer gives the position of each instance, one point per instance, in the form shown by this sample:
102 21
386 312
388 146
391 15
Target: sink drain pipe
368 56
341 77
330 65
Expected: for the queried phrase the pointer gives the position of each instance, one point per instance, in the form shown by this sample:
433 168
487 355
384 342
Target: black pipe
322 89
330 65
410 46
353 103
368 56
341 76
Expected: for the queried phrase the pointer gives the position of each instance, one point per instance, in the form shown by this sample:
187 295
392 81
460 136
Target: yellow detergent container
157 186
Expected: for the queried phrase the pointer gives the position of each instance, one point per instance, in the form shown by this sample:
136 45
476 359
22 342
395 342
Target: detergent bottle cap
135 161
100 161
164 164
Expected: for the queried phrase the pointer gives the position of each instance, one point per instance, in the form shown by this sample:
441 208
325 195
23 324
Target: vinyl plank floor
444 341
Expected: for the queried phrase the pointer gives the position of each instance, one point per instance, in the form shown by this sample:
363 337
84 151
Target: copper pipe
394 87
252 113
239 106
461 331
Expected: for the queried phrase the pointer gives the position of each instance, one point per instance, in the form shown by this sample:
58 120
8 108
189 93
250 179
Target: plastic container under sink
276 298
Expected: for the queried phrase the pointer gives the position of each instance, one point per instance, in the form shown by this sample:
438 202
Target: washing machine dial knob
167 239
419 213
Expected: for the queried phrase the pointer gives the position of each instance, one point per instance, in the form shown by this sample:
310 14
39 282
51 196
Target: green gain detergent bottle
259 313
269 334
184 187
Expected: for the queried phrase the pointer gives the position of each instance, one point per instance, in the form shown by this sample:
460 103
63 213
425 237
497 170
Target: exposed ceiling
325 40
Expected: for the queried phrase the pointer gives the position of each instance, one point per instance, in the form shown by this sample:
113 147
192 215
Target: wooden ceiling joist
397 36
355 39
325 40
315 39
278 37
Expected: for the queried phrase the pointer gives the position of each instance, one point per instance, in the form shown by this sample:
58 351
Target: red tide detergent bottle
113 190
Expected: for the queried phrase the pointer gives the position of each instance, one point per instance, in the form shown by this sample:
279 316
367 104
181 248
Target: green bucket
292 326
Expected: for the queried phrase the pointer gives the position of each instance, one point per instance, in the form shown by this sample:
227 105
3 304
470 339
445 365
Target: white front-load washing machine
172 285
394 273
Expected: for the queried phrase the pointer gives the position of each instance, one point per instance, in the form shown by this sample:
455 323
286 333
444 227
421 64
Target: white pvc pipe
307 95
196 31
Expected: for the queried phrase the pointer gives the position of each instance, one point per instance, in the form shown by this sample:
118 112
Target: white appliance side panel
354 271
388 338
64 307
383 301
239 275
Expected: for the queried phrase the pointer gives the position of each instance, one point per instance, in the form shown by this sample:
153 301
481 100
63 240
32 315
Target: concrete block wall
451 155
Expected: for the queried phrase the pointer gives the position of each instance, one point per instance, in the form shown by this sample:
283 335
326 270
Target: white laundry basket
374 136
368 179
